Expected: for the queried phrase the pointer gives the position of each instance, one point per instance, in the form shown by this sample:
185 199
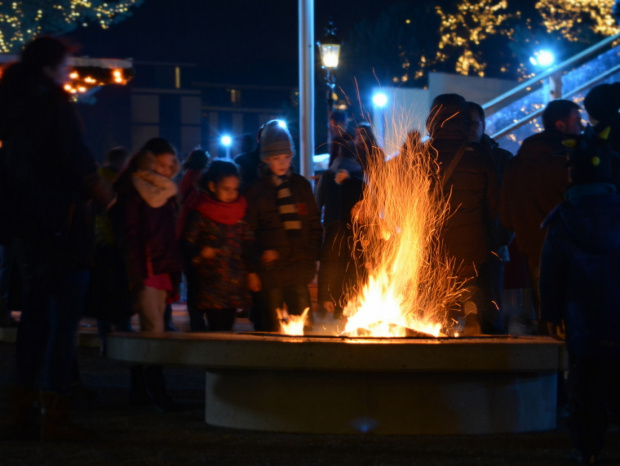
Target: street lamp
545 59
329 48
380 101
226 141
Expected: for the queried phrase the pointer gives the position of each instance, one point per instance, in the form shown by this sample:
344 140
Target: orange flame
292 324
410 284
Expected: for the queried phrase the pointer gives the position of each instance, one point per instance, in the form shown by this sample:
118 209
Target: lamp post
329 48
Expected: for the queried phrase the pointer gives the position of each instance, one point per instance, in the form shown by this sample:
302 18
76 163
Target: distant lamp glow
542 58
380 100
226 141
329 48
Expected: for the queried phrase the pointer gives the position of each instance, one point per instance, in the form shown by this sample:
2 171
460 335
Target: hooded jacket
580 273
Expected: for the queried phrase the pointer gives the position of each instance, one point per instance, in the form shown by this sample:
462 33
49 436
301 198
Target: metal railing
537 82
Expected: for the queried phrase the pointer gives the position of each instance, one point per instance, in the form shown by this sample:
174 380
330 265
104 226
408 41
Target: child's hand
270 256
329 306
208 253
254 283
341 176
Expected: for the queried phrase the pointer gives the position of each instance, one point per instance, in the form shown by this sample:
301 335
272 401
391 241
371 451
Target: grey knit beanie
275 140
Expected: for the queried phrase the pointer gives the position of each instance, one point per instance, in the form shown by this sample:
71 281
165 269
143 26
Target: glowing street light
329 48
545 59
226 141
542 58
380 99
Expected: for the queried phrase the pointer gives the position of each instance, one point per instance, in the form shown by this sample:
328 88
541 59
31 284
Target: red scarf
226 213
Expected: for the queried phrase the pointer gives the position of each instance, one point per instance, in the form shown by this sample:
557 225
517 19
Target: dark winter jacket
146 232
498 158
614 141
49 174
298 255
339 199
188 183
338 269
474 192
249 167
534 183
580 273
219 282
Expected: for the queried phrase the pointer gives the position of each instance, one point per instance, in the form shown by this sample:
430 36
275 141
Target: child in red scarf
215 241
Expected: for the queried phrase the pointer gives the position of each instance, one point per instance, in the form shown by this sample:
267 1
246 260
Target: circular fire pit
346 385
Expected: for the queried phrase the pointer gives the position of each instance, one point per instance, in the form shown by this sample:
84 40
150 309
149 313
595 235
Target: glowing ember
292 324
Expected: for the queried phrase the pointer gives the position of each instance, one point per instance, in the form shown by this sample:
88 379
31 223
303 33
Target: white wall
407 108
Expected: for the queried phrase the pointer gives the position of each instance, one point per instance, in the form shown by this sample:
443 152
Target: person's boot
56 426
156 387
23 414
138 395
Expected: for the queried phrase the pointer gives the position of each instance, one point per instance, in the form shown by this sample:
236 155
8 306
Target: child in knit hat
284 216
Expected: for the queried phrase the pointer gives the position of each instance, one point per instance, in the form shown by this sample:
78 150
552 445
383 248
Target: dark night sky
238 41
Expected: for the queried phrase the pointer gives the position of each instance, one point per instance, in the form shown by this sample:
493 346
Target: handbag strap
453 163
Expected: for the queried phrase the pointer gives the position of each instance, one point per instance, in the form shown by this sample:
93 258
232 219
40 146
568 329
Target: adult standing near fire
491 273
473 192
534 184
51 176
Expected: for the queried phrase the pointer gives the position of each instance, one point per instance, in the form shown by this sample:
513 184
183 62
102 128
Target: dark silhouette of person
534 183
580 297
472 186
51 177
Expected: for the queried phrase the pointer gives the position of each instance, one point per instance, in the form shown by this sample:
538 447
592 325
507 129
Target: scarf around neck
289 216
226 213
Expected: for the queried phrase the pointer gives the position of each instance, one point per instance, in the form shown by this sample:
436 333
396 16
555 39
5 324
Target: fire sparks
410 286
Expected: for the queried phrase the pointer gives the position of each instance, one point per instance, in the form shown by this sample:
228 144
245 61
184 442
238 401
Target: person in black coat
603 104
338 190
50 178
579 276
491 273
535 181
472 187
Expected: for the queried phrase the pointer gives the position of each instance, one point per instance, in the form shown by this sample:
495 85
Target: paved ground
147 437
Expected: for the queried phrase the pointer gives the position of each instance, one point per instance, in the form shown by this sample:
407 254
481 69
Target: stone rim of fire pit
384 386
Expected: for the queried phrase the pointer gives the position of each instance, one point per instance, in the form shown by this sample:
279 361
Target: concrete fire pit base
406 387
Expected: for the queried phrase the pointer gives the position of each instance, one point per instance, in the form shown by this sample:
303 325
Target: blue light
543 58
282 124
226 141
380 99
